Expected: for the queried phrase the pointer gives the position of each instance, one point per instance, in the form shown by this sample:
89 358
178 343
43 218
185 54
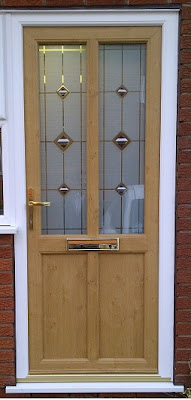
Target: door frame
14 22
137 250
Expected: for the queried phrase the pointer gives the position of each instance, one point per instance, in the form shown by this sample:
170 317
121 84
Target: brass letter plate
92 244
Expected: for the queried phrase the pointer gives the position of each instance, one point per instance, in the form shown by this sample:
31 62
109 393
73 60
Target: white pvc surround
12 121
94 388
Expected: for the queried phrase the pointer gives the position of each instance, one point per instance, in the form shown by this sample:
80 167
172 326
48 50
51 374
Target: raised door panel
122 306
64 306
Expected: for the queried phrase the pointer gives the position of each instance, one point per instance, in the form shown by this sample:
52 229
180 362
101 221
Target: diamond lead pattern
121 189
64 189
121 140
63 91
63 141
122 91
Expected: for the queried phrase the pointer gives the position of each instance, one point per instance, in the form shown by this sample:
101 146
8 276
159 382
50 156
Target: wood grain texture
83 34
93 241
95 312
93 306
92 139
64 306
33 181
152 158
121 306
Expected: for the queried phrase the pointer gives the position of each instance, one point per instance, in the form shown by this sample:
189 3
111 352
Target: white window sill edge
138 387
8 229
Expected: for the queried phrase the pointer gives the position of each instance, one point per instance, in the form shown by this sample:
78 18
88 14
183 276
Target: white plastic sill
8 229
109 387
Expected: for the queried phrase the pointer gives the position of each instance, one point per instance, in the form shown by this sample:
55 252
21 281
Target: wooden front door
92 121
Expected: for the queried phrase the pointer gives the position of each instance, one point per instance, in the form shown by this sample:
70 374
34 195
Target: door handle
32 203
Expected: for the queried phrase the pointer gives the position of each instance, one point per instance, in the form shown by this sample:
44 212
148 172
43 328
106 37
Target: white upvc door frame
7 220
13 120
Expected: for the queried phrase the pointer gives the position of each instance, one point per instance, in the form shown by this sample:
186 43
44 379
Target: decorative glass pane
62 93
112 60
53 122
122 69
75 200
111 115
75 104
131 115
131 164
110 211
112 166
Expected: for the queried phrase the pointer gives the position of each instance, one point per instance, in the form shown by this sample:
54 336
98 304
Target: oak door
92 122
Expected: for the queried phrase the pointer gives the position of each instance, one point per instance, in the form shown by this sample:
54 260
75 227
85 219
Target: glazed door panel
92 121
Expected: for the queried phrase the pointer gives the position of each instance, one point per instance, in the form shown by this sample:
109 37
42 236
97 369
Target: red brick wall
183 209
183 214
7 340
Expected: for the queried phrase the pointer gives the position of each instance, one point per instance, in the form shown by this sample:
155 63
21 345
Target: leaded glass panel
62 96
122 69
